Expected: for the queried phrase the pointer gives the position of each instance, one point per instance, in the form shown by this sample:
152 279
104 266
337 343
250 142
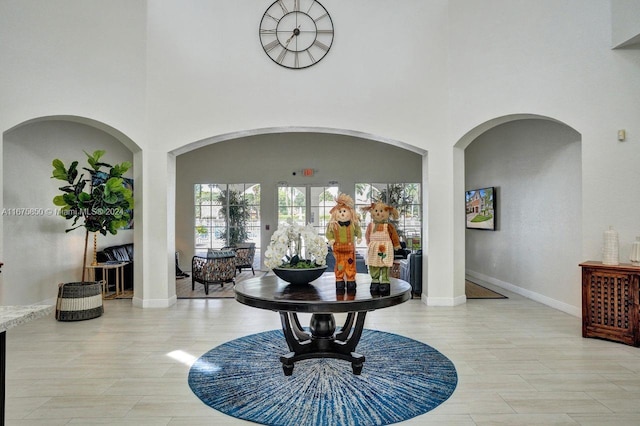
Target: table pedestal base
322 341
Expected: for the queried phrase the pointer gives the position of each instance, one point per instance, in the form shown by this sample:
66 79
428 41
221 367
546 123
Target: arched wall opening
535 165
37 253
269 156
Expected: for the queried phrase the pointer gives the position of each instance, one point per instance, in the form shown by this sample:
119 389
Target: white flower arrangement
296 247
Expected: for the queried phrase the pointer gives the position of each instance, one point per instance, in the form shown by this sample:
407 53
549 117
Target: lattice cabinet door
610 308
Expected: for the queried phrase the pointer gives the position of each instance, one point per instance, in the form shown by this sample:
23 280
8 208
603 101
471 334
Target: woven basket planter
79 301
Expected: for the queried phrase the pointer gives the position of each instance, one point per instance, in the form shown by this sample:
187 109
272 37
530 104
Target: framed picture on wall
481 208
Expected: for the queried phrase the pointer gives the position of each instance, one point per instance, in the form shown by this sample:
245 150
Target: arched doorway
36 245
535 165
276 157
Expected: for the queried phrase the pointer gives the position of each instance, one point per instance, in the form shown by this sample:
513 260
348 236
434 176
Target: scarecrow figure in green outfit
382 238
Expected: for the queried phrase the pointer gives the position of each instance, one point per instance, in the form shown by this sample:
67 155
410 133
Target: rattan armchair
245 253
218 267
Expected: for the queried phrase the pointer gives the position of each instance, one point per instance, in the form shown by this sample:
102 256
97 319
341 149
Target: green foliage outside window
236 214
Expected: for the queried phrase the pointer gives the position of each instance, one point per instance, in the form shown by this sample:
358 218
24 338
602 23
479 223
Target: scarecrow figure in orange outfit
343 232
382 238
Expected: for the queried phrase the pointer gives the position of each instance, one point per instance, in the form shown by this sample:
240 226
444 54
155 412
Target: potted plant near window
236 214
99 202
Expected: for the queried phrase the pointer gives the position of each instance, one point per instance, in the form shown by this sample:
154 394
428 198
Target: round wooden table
320 299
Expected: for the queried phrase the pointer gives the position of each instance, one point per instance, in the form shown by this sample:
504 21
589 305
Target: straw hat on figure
382 238
343 233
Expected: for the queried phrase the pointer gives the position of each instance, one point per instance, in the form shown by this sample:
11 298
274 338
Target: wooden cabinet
610 302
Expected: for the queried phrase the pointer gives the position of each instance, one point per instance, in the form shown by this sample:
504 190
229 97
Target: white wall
269 159
554 59
83 58
78 59
535 166
170 74
40 254
625 24
209 75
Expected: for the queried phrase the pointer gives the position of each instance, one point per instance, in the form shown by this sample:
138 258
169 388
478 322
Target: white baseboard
444 301
154 303
556 304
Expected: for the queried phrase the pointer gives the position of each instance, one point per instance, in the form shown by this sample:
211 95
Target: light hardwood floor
519 363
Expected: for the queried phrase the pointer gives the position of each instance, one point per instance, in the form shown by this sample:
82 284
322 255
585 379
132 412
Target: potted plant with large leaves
96 200
236 213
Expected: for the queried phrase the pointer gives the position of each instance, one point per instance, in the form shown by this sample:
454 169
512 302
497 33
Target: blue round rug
402 378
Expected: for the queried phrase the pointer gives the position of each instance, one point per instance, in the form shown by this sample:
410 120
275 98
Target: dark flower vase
299 276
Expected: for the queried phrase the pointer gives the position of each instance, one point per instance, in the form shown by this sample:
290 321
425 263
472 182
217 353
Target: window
226 214
306 204
292 204
405 197
323 198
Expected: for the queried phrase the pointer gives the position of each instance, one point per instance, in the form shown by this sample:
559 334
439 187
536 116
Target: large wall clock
296 33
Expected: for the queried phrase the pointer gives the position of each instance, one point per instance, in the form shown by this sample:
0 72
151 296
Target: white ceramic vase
610 247
635 252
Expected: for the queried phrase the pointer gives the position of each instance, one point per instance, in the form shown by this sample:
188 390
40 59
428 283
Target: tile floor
519 363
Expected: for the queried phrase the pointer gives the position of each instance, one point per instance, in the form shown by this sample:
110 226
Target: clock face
296 33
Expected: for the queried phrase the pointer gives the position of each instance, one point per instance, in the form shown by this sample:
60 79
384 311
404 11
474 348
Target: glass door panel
226 214
323 198
306 204
292 204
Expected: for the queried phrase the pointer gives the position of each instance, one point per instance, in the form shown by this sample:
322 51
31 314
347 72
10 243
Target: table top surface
13 316
620 266
320 296
107 265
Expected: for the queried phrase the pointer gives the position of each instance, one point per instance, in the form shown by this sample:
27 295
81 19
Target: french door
306 204
226 214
